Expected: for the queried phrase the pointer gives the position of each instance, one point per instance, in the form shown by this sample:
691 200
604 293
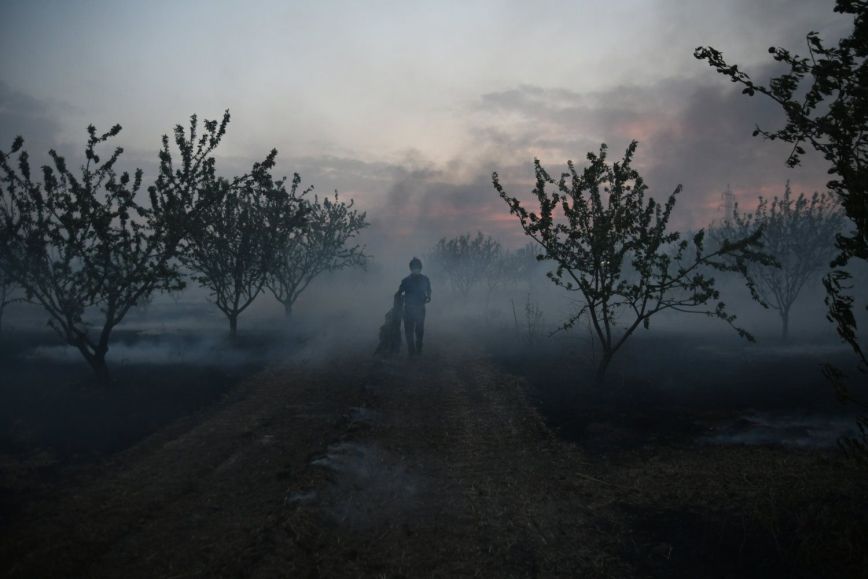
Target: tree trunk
785 325
100 370
603 366
233 326
287 309
96 361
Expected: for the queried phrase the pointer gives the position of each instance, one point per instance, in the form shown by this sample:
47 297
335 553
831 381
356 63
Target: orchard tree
79 243
510 268
467 261
798 233
612 246
231 246
523 264
825 100
497 275
322 244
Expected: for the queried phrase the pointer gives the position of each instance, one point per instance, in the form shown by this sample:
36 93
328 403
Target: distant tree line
470 261
85 246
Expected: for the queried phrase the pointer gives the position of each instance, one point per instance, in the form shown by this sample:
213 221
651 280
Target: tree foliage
322 244
798 233
612 246
231 245
468 261
825 98
81 243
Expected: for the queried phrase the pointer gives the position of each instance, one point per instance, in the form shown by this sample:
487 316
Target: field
486 457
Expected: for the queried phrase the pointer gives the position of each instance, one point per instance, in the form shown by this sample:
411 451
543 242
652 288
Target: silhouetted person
416 291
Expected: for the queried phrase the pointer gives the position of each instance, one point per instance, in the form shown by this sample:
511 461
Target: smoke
369 485
784 430
165 349
34 119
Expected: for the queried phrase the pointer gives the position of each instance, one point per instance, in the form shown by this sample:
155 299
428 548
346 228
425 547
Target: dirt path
453 474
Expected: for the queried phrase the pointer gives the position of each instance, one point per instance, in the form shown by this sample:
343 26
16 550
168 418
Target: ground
443 466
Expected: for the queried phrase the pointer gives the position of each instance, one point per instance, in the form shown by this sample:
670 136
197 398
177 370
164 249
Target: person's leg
420 330
409 331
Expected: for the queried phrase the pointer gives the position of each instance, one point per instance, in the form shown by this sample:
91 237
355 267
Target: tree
231 246
825 100
467 261
523 264
322 244
598 224
509 269
80 243
797 233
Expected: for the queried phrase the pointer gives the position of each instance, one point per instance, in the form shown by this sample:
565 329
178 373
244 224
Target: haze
408 106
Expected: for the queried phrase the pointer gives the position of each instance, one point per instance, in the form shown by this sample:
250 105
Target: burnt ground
457 464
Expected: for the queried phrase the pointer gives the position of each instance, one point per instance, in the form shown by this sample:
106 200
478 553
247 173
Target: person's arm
427 290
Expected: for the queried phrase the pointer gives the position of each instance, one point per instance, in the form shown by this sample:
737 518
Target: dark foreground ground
468 462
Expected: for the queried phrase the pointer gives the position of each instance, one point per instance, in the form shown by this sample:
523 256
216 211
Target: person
415 290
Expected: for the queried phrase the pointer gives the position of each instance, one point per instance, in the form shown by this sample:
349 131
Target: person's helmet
415 263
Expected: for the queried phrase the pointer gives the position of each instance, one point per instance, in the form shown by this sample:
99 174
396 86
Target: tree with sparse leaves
82 246
612 246
798 233
825 98
509 268
467 261
322 244
231 247
522 264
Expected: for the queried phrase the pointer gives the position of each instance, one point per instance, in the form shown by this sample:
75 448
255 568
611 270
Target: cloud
692 132
29 117
425 207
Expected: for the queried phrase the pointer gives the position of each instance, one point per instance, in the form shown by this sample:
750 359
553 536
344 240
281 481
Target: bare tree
82 242
322 244
232 245
597 225
798 233
467 261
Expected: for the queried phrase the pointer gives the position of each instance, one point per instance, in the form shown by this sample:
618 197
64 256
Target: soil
441 466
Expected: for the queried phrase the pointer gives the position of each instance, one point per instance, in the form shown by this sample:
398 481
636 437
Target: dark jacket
416 289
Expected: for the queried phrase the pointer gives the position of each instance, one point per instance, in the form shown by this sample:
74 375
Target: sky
408 106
